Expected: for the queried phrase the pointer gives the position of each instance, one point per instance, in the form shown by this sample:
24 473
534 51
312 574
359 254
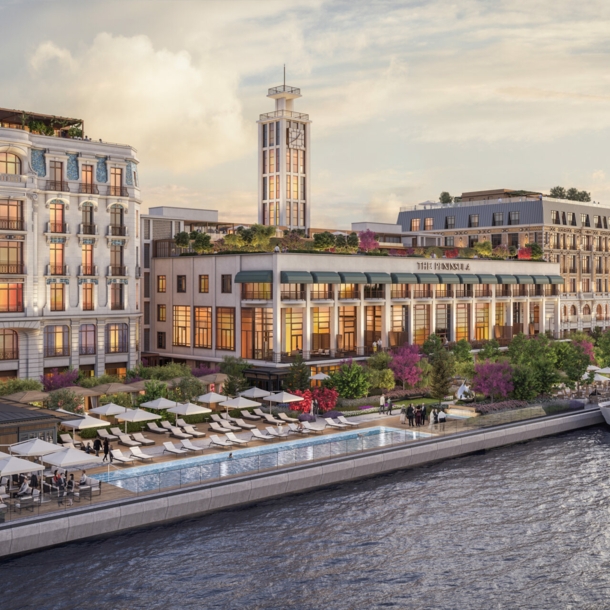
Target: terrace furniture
191 430
188 445
165 424
171 448
333 424
227 417
250 416
28 502
219 442
261 436
138 436
182 424
242 424
272 432
224 423
125 440
116 431
294 428
3 494
93 486
289 420
118 456
220 428
67 439
311 428
271 420
259 413
154 428
239 441
137 453
346 421
177 433
103 434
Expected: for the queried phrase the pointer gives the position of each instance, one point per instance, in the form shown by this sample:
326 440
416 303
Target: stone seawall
104 519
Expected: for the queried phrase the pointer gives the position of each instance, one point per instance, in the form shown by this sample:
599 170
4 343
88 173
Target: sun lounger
171 448
154 428
228 425
66 438
273 432
295 428
261 436
219 428
250 416
239 441
258 412
138 436
177 433
189 446
289 420
346 421
166 425
272 420
190 430
219 442
116 431
219 420
136 452
181 424
227 417
242 424
125 440
117 456
308 426
333 424
105 434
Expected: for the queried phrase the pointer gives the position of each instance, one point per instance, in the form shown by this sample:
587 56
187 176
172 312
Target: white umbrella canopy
14 465
282 397
604 371
4 455
85 422
320 377
596 378
159 403
592 367
239 403
255 393
211 397
134 416
189 408
35 447
70 457
108 409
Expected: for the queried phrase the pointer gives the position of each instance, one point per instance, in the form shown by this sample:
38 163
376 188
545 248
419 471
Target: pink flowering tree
368 241
587 348
56 380
493 379
404 365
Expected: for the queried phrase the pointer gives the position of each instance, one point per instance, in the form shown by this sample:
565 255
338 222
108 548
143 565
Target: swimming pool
217 465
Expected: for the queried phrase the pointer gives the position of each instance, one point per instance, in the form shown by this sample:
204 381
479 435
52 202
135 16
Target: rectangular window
428 224
160 340
56 253
203 327
295 187
161 313
288 196
226 284
473 220
116 181
415 224
87 176
56 341
57 297
181 283
56 171
271 187
271 141
86 340
302 193
117 338
146 309
265 188
496 240
116 296
513 240
498 219
225 328
87 297
302 214
182 326
147 285
265 162
11 215
264 136
462 315
11 298
555 217
257 292
421 323
450 222
301 161
288 160
11 257
450 241
482 321
271 161
204 283
161 283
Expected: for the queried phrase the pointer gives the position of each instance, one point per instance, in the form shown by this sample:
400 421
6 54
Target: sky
407 98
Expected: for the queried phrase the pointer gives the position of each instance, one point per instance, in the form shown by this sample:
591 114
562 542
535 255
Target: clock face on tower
296 139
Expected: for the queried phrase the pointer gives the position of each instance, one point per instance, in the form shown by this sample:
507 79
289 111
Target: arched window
586 310
10 164
573 310
9 345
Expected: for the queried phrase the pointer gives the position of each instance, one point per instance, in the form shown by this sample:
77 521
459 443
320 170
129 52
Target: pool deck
118 510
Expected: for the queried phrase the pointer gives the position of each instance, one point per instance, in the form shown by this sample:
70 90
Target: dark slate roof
13 413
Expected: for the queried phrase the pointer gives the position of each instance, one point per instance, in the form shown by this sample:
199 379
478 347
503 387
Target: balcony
293 295
117 231
117 306
88 270
322 294
400 292
57 185
88 189
55 352
58 227
9 354
422 294
57 269
87 229
114 270
284 114
12 269
349 294
464 291
12 225
87 350
374 293
252 294
118 191
13 178
444 293
482 291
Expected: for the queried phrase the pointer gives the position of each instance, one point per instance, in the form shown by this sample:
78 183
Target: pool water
242 461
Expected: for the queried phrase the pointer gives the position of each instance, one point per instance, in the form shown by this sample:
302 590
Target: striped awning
487 278
352 277
254 277
296 277
506 279
469 278
448 278
427 278
556 279
378 278
325 277
525 279
403 278
541 279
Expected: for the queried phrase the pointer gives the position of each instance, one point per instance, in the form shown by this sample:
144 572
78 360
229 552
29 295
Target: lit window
498 219
56 341
415 224
203 327
225 328
117 338
11 298
513 218
87 343
161 283
57 297
87 297
10 164
161 313
182 326
473 220
428 224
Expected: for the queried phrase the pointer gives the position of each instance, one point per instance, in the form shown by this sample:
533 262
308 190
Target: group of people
97 447
385 405
66 486
418 415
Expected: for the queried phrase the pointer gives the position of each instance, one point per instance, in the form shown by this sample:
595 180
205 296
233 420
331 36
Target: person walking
70 489
417 417
389 406
423 414
403 415
381 403
107 454
97 445
410 414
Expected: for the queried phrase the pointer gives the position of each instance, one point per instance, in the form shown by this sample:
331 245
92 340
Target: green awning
506 279
353 277
525 279
556 279
254 277
427 278
378 278
403 278
469 278
448 278
541 279
487 278
296 277
325 277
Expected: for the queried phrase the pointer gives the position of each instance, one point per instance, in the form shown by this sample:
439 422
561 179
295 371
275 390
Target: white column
526 316
386 315
410 318
360 324
277 312
100 360
472 331
452 315
334 323
542 323
32 351
307 324
433 311
557 329
492 313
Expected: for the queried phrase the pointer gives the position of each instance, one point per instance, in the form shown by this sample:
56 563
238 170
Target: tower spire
284 75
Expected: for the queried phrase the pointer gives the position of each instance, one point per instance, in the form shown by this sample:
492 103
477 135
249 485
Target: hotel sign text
443 266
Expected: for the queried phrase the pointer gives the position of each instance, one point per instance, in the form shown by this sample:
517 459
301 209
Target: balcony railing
12 225
400 292
118 191
421 294
463 292
14 178
117 230
482 291
54 352
503 290
293 295
284 114
443 293
119 348
57 270
14 268
86 350
88 229
284 89
117 306
349 294
57 185
321 294
374 293
88 189
117 270
256 295
9 354
57 227
88 270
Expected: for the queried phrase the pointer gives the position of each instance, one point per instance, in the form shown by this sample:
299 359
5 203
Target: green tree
10 386
202 243
379 361
537 252
602 349
572 360
231 365
298 375
445 197
65 399
182 239
525 383
558 192
462 351
189 388
538 354
153 389
443 369
490 351
340 242
426 371
323 241
234 385
432 345
483 249
351 381
352 241
381 378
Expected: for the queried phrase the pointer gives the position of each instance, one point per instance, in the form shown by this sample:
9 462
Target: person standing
389 406
381 403
97 445
403 415
107 454
70 489
423 414
417 417
410 414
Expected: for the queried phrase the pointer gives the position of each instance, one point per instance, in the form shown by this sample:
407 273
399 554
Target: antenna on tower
284 75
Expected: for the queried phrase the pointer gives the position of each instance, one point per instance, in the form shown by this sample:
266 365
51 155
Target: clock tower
283 162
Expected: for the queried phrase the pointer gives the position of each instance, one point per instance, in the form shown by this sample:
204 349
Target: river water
525 526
